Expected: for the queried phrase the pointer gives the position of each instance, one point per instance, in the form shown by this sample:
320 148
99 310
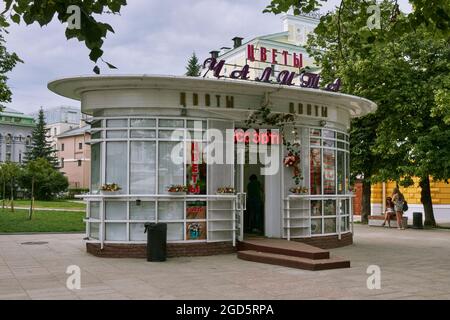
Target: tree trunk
425 198
12 195
365 202
32 199
4 195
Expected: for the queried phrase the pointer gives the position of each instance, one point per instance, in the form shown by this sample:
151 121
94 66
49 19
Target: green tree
40 146
406 76
357 77
7 62
193 68
433 15
10 172
90 31
42 180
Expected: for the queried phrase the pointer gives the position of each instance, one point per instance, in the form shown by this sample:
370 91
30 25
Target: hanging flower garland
264 116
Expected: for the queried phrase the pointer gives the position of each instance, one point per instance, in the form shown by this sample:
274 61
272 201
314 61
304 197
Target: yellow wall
440 192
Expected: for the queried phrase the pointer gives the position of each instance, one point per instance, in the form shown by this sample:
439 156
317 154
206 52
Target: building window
62 146
55 131
80 145
20 158
79 163
95 166
62 163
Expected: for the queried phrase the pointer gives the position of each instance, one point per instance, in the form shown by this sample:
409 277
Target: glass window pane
347 174
341 207
197 124
316 208
94 230
169 172
196 135
143 134
116 231
329 208
116 161
96 124
117 123
316 226
176 135
137 232
341 172
95 210
95 168
171 123
329 134
329 171
345 224
316 172
196 168
329 143
170 210
143 123
116 134
175 231
96 135
340 136
315 132
330 225
142 167
144 211
115 210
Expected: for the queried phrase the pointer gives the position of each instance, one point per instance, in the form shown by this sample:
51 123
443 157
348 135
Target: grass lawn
43 221
56 204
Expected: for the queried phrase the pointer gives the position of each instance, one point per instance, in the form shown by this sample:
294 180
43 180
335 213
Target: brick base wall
173 249
329 242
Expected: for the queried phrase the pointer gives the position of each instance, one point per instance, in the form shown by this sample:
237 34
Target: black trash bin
156 241
417 220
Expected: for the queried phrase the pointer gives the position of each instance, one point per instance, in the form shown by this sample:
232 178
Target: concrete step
283 247
293 262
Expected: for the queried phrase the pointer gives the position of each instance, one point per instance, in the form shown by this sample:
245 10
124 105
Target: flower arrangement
226 190
292 160
110 187
299 190
177 188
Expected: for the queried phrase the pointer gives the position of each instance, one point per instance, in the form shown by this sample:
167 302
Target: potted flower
299 190
226 190
110 188
177 189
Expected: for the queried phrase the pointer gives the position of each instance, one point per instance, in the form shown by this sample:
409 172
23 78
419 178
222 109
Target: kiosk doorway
254 186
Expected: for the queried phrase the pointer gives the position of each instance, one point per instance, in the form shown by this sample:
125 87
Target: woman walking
399 200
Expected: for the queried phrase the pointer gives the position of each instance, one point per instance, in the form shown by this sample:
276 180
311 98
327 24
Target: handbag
405 206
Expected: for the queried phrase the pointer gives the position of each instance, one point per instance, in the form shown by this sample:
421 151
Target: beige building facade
74 156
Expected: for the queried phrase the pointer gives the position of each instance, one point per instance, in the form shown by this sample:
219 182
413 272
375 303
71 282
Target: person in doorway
389 213
254 203
399 200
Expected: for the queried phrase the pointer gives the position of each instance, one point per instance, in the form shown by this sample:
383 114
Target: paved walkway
414 265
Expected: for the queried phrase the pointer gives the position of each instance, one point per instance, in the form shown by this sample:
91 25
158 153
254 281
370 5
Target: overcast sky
152 37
